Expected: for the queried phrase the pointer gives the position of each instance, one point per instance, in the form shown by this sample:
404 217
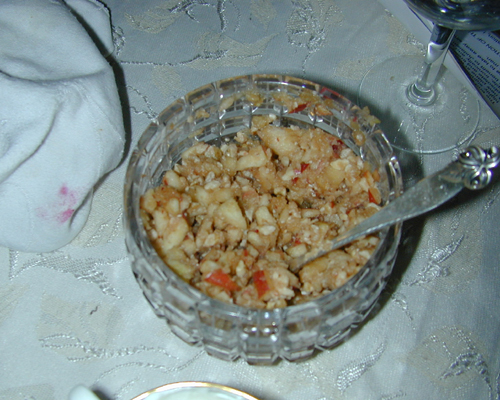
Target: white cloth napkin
61 127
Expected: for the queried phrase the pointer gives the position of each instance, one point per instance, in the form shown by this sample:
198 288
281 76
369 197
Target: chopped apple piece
179 262
174 233
283 141
255 158
229 213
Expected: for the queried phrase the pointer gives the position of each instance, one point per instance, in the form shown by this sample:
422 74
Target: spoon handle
472 170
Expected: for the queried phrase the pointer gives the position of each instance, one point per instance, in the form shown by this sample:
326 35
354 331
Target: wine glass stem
423 91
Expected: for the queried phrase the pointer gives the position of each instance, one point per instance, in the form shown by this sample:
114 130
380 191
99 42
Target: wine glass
423 107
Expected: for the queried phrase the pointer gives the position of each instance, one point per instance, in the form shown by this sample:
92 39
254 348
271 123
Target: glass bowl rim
387 235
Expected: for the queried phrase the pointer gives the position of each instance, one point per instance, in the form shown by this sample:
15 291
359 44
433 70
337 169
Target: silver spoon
472 170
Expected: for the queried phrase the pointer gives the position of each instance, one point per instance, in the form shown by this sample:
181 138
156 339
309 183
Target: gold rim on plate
191 385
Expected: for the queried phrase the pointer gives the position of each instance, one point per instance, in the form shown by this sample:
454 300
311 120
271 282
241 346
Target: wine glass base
446 124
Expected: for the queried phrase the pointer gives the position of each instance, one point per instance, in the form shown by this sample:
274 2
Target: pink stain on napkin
63 208
69 199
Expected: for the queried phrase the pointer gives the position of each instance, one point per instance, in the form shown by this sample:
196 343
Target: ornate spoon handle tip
478 165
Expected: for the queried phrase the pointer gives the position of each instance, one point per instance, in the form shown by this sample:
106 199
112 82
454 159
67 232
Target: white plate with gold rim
176 391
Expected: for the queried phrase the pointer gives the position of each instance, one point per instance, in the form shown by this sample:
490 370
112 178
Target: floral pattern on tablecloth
76 315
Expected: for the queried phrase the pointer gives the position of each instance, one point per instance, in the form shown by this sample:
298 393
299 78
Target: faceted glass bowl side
212 114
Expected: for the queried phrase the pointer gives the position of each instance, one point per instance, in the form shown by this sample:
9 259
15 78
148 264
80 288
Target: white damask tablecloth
76 315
